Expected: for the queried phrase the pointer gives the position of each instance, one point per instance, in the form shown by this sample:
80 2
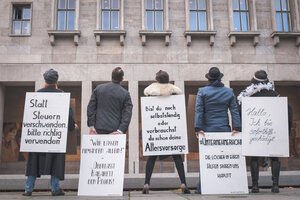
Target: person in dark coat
48 163
163 88
261 87
109 110
211 110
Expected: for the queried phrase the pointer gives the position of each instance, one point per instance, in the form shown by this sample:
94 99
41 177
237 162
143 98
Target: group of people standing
109 112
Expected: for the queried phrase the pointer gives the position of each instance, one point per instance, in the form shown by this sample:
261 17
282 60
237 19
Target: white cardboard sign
164 125
102 165
222 166
265 126
45 122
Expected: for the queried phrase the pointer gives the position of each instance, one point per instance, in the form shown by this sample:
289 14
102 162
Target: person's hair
162 77
117 75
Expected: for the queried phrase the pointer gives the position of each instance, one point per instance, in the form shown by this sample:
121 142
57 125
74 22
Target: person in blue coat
211 110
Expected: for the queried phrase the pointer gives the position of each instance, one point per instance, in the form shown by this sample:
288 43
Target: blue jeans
31 180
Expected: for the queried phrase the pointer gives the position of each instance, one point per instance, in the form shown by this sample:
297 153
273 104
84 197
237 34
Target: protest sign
164 125
265 126
222 166
102 165
45 122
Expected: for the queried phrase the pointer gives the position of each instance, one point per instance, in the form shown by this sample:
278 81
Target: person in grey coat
109 110
212 104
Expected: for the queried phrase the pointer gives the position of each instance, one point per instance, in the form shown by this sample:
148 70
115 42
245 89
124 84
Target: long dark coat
49 163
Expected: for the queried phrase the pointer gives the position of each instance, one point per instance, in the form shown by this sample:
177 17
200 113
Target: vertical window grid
154 14
66 14
21 23
110 12
241 15
283 13
198 13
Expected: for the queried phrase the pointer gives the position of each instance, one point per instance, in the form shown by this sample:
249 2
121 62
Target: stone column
2 93
86 92
133 136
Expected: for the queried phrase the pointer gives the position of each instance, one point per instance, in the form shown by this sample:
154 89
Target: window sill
109 33
243 34
277 35
189 34
19 35
145 33
57 33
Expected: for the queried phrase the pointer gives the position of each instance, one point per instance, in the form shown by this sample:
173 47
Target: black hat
162 76
214 74
260 76
51 76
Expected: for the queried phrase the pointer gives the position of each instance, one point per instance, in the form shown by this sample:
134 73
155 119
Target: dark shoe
27 194
275 189
184 189
255 189
254 175
58 193
275 175
145 189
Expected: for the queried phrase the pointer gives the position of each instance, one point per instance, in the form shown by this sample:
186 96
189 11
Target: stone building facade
85 55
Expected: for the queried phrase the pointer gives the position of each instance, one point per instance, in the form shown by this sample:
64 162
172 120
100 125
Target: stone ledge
277 35
210 34
63 33
19 35
243 34
109 33
145 33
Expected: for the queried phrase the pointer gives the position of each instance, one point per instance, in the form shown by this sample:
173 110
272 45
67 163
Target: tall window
21 20
110 14
154 15
240 15
65 14
197 15
282 15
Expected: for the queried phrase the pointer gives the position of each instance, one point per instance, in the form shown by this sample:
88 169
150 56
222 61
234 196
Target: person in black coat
48 163
261 87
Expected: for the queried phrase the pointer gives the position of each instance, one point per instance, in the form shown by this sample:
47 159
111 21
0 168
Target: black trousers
179 166
255 159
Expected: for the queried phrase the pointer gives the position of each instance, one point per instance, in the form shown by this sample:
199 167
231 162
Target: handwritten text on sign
45 122
102 165
164 125
265 126
222 166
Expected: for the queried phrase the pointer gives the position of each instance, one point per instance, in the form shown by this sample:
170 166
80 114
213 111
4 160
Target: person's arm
126 114
199 114
236 120
91 112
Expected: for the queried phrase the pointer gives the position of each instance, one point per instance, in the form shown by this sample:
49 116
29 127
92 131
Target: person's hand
115 133
199 132
93 131
76 127
234 132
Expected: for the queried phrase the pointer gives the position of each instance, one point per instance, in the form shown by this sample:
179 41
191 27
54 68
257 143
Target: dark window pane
285 22
26 27
158 4
71 19
201 5
150 20
278 20
17 13
193 21
149 4
193 5
244 21
62 4
71 4
159 21
105 4
284 6
115 20
17 27
61 20
243 5
105 20
202 21
236 21
115 4
26 13
277 5
235 4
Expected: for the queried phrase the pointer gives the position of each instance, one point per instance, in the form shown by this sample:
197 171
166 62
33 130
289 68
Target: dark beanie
162 77
51 76
260 76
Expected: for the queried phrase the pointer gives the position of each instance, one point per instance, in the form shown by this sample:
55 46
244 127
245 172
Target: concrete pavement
265 194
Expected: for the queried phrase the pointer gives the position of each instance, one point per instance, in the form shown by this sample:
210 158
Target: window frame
66 28
197 10
281 12
239 11
110 10
12 20
154 11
